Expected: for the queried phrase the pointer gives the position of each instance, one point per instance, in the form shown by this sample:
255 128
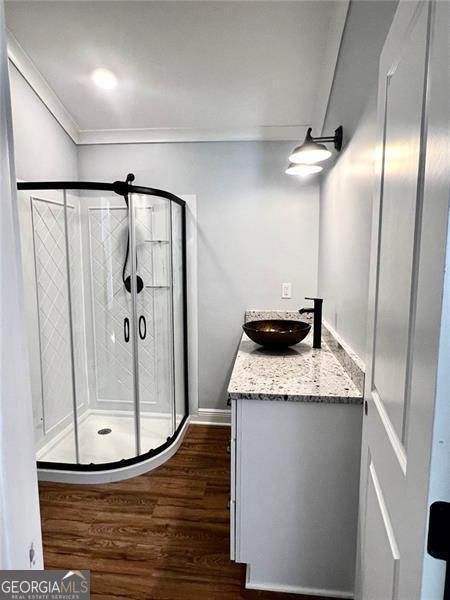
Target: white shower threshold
98 449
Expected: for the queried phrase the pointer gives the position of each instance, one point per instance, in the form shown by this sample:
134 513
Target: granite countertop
298 374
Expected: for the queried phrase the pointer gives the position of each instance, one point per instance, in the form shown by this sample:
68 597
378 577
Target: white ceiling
186 70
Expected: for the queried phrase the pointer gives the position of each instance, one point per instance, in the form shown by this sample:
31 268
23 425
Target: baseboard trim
212 416
294 589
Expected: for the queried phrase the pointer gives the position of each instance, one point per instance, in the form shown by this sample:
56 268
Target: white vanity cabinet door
296 472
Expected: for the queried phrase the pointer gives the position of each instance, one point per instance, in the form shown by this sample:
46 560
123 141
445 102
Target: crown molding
146 136
32 75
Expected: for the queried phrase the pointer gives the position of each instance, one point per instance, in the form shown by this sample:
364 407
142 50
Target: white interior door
407 270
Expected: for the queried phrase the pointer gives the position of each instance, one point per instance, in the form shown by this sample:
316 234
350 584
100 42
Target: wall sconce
303 157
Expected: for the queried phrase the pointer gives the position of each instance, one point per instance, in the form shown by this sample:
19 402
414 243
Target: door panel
381 551
404 97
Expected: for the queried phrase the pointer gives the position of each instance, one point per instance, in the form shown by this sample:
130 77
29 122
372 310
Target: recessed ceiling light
104 78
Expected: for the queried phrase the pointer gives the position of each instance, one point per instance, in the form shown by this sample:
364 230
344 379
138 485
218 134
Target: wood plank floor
161 536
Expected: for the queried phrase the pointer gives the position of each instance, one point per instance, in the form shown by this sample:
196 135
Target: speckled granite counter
298 374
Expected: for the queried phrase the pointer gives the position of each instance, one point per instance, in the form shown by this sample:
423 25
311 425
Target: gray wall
257 228
43 150
346 190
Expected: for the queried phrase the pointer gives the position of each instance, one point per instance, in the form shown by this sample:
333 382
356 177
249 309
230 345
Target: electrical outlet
286 290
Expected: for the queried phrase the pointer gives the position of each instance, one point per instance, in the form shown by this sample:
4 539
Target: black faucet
317 310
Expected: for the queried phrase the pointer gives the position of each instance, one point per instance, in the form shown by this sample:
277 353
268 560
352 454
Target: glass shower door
179 312
105 366
153 319
43 216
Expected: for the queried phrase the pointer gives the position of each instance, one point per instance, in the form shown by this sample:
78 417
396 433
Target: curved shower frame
121 469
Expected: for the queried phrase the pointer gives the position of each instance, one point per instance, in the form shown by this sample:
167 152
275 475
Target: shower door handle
126 329
142 332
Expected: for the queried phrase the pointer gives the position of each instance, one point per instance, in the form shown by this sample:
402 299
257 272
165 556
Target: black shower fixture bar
127 282
122 188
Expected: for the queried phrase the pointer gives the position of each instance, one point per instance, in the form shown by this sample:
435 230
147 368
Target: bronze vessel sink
274 333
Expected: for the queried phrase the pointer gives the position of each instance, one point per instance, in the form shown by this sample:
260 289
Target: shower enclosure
104 266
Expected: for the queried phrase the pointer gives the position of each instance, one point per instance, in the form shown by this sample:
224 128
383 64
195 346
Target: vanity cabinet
294 494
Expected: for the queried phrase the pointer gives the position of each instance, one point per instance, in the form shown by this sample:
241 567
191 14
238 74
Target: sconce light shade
303 169
309 152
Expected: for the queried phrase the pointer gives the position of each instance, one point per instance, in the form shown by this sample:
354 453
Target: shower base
100 448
